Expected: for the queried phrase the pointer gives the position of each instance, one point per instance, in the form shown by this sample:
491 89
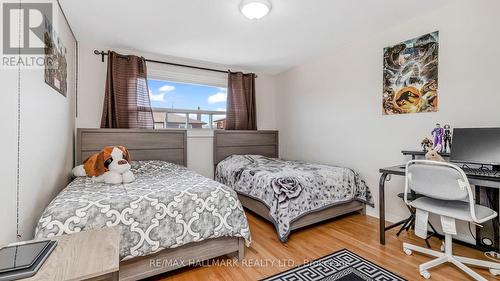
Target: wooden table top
83 255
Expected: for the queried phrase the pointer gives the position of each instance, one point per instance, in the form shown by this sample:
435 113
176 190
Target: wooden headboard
143 144
226 143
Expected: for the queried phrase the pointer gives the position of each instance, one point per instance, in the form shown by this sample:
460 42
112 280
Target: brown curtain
126 100
240 113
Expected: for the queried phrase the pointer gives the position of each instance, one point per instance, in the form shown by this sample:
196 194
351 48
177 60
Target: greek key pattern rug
342 265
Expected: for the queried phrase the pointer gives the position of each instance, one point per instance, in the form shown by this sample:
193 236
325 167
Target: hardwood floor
357 233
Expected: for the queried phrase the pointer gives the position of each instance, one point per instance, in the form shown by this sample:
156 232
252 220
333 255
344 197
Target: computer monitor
476 146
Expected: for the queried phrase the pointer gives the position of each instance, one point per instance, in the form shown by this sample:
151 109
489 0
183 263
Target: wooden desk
87 255
399 170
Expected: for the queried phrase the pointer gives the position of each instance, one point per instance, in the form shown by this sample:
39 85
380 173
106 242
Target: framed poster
411 76
56 66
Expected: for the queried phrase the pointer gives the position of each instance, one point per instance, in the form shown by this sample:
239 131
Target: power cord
18 131
470 230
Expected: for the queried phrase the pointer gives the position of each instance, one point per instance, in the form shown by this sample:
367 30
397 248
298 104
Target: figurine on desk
447 138
434 156
426 144
437 134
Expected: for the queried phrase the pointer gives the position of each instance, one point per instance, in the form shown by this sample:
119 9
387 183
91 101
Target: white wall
329 109
46 146
8 148
92 78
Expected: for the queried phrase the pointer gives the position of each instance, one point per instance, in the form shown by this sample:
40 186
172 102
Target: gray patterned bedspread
167 206
291 189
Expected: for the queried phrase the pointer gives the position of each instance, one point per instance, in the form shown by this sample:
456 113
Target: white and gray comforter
291 189
167 206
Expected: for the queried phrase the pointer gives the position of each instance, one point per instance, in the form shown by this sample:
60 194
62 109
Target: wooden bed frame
266 143
167 145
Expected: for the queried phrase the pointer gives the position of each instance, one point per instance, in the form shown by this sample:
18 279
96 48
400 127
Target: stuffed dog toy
110 165
432 154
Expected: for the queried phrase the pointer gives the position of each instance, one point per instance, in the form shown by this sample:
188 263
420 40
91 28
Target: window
159 125
185 105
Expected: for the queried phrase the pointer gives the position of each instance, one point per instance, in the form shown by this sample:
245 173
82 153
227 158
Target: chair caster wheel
494 272
407 251
425 274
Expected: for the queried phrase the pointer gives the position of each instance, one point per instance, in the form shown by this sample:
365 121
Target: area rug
342 265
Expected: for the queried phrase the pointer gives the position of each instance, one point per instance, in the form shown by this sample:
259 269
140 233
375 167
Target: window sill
205 132
200 133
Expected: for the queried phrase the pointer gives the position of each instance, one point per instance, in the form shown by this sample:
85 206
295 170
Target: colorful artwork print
411 76
56 66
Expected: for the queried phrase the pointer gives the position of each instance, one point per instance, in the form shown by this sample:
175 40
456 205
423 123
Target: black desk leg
381 207
496 199
478 201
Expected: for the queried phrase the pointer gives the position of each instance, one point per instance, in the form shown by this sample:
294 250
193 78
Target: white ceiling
216 31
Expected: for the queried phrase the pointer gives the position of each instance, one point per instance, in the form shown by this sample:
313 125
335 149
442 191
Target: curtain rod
102 54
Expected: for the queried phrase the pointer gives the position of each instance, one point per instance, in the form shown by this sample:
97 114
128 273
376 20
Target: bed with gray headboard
266 143
165 145
156 185
263 142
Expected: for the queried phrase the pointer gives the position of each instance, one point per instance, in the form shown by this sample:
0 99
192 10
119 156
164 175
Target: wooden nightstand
87 255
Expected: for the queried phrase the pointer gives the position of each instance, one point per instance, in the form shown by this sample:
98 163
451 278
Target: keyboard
481 172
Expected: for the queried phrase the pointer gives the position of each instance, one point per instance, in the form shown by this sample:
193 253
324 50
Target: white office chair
447 193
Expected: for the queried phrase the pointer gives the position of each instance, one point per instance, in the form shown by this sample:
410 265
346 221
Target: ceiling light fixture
255 9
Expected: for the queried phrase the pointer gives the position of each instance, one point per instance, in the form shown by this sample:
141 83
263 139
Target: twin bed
289 194
169 214
178 216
